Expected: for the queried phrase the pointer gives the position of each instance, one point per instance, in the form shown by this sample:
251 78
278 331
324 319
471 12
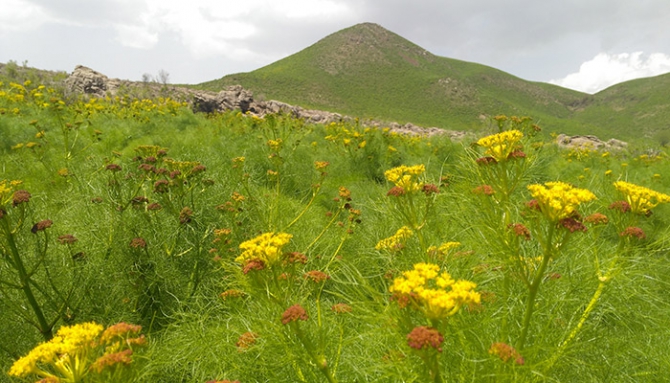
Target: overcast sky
581 44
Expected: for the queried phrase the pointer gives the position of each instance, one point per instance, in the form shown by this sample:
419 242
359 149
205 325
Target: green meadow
142 242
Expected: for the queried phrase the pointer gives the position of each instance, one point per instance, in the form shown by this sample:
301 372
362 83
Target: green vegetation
252 250
369 72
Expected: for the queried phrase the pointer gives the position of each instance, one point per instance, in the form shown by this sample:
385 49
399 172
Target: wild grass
94 170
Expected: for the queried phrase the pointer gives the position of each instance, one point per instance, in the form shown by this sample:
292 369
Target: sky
586 45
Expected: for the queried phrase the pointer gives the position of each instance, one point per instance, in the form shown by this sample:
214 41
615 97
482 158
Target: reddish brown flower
621 206
486 161
506 352
253 264
198 169
429 189
246 340
138 243
423 337
67 239
119 330
340 308
154 206
516 154
533 204
174 174
113 168
232 293
483 190
20 196
147 168
41 226
185 215
107 360
597 219
396 191
316 276
572 224
344 193
520 230
294 313
161 186
295 257
631 232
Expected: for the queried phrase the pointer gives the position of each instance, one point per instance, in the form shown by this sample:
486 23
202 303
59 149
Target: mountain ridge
368 71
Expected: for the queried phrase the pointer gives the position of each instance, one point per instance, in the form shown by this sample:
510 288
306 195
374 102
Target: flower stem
534 288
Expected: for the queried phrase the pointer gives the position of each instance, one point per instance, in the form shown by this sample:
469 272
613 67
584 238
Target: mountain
631 108
370 72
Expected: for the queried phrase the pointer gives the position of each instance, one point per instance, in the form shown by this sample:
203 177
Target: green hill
370 72
630 108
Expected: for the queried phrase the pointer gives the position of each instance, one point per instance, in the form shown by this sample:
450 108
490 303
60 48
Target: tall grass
160 201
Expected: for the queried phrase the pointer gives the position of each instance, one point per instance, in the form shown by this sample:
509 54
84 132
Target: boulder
86 81
589 142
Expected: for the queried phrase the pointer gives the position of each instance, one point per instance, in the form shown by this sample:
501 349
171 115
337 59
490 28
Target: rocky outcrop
589 142
86 81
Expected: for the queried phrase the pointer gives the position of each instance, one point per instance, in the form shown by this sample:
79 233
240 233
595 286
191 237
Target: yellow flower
70 353
396 241
406 177
71 341
640 199
499 146
266 247
432 292
558 200
275 144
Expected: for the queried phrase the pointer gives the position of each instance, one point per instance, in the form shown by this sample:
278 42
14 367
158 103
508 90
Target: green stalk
44 327
534 288
320 362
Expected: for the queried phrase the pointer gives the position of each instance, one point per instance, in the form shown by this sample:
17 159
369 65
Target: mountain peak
365 43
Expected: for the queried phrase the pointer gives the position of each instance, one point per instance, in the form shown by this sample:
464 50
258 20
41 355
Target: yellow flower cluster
7 190
500 145
396 241
558 200
436 294
443 249
267 247
72 352
640 198
68 345
406 177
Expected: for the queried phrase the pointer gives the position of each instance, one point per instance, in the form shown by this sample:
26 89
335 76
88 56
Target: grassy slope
368 71
631 108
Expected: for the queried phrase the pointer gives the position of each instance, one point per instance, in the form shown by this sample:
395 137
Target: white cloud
135 36
606 69
19 15
211 28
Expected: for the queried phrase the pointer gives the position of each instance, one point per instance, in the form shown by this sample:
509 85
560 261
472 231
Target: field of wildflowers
143 242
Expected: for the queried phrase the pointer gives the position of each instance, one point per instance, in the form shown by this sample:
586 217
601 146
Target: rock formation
589 142
88 82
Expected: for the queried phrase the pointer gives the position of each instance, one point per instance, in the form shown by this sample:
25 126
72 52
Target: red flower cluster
422 337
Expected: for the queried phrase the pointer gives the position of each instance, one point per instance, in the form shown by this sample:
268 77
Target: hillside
369 71
628 108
